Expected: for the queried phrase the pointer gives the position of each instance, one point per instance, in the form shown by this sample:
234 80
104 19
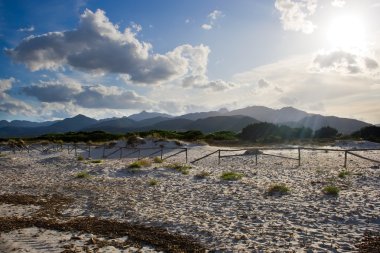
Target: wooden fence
257 151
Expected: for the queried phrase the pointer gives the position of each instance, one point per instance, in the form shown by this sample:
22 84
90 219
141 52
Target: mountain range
212 121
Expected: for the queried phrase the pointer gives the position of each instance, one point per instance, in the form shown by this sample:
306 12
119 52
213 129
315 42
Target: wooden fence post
256 158
161 153
299 156
219 156
345 159
186 155
75 148
89 150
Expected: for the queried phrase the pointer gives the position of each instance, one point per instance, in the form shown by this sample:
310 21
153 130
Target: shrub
331 190
82 174
325 132
231 176
278 188
344 173
202 175
140 164
158 160
96 161
184 169
80 158
153 182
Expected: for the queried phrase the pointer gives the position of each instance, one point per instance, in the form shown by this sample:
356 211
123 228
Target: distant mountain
116 125
202 115
25 123
221 123
71 124
177 124
343 125
148 115
266 114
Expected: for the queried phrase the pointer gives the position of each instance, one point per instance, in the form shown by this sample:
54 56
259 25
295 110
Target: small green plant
344 174
153 182
140 164
96 161
82 174
278 188
184 169
231 176
202 175
80 158
158 160
331 190
3 155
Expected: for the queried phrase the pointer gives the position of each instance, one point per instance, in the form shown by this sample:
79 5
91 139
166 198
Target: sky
115 58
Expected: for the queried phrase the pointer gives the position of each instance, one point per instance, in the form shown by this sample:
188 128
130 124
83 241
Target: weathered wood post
186 155
138 158
299 156
345 159
89 150
219 156
161 153
256 158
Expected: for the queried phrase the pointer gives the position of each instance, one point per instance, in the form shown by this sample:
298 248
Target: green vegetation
222 136
96 161
331 190
140 163
184 169
279 189
158 160
95 136
370 133
271 133
325 132
82 174
153 182
344 173
231 176
80 158
202 175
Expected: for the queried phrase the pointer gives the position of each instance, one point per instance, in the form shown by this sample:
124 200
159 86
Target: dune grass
158 160
231 176
153 182
80 158
344 173
202 175
331 190
278 189
140 164
83 174
184 169
96 161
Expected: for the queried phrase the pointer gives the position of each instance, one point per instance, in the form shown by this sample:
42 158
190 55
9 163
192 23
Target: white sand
224 215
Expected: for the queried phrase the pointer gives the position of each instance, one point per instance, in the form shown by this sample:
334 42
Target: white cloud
263 83
345 63
98 46
26 29
67 90
212 19
295 14
338 3
9 104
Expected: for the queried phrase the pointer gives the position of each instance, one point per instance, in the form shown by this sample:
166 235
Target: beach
191 209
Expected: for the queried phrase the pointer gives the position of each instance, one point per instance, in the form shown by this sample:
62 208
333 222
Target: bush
278 188
80 158
326 132
231 176
331 190
82 174
96 161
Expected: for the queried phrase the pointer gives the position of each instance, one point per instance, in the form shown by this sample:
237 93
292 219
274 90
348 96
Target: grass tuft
344 173
82 174
331 190
139 164
80 158
279 189
202 175
153 182
231 176
157 160
184 169
96 161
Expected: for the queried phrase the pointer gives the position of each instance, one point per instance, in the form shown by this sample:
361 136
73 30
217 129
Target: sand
223 216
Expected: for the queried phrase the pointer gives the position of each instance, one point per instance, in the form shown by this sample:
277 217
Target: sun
347 32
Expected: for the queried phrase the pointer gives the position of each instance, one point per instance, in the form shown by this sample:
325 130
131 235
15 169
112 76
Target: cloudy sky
115 58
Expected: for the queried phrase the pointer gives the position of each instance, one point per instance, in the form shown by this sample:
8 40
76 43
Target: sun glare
347 32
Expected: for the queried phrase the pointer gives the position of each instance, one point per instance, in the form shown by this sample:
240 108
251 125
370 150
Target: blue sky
114 58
